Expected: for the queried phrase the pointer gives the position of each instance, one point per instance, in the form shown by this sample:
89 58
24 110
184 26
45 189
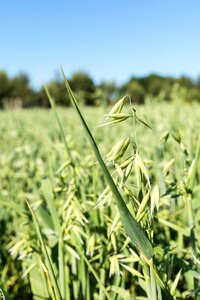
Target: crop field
125 224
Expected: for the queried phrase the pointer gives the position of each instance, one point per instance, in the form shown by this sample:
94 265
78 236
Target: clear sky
111 40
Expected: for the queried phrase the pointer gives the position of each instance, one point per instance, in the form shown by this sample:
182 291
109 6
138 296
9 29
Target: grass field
60 226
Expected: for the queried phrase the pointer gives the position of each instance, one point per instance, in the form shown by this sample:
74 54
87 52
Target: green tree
135 89
108 90
57 90
186 81
5 88
21 89
152 84
83 85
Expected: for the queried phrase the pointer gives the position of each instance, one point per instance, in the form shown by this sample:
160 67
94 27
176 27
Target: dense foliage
17 91
60 183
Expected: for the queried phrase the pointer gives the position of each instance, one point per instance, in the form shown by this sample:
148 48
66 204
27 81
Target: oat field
122 223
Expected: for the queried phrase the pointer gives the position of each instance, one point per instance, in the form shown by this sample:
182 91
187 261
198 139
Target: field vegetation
121 222
17 91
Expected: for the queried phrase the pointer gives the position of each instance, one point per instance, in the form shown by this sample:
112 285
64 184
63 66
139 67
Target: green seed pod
176 135
117 108
118 150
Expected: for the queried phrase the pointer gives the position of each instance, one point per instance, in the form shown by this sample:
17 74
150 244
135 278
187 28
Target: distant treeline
17 92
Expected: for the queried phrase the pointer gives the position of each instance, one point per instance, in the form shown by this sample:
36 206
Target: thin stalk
147 280
82 278
153 285
61 262
88 292
52 102
102 278
191 224
50 286
46 254
75 280
190 214
116 282
67 282
94 274
165 292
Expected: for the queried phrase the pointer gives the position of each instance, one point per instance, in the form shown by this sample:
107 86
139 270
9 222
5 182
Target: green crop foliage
100 203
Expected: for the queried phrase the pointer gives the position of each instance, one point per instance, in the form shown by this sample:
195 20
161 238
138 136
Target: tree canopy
17 91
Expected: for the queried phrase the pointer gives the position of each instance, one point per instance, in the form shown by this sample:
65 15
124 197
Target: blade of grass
188 199
52 102
153 285
45 253
94 273
191 179
131 226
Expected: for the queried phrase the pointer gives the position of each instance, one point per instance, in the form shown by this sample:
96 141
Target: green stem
46 255
52 102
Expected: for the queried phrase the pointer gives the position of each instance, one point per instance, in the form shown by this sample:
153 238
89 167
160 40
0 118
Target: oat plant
131 226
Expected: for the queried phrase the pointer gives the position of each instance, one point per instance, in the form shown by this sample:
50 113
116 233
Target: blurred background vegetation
17 92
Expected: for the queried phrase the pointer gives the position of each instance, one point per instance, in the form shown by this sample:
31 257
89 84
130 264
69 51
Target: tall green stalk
131 226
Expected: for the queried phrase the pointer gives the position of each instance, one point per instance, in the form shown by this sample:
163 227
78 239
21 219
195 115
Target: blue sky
111 40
